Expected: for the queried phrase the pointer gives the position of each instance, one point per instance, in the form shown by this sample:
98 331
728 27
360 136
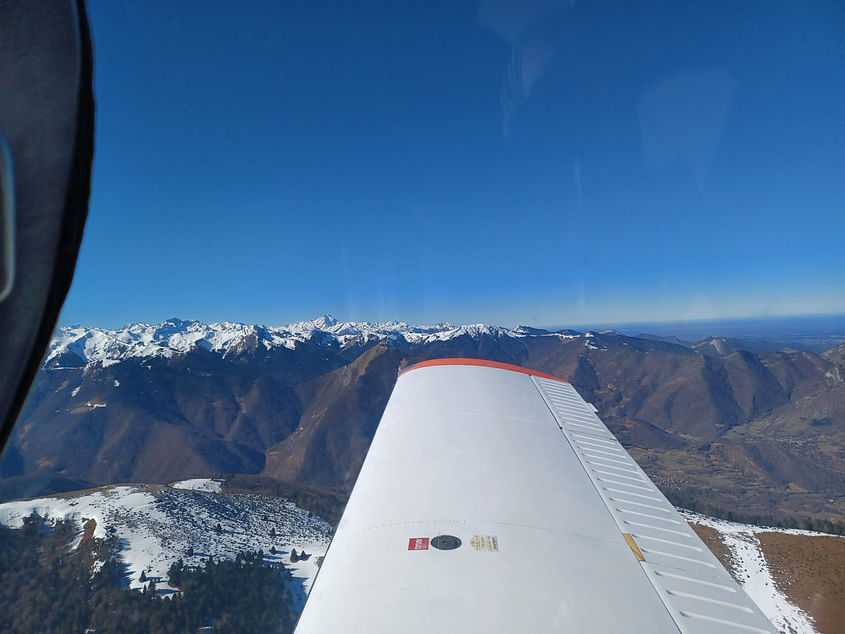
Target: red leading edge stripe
483 363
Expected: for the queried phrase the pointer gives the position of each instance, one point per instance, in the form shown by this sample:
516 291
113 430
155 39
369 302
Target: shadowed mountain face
752 432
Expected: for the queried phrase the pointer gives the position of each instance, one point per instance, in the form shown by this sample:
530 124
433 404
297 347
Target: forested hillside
47 587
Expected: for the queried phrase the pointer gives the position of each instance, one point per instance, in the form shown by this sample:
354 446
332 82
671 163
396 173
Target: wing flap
695 588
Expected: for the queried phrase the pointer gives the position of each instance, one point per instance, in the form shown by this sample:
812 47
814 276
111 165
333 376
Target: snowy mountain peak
77 346
527 331
326 321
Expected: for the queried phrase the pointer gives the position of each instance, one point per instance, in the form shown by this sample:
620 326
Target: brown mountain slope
339 419
761 433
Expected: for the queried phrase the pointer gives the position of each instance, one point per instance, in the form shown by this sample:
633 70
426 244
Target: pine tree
143 577
174 575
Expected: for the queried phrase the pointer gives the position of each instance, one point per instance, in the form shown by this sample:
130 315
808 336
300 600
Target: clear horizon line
588 325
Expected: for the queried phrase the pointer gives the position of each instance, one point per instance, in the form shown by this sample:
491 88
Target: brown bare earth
88 531
713 539
810 570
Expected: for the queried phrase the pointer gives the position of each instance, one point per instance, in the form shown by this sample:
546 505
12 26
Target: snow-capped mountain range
176 336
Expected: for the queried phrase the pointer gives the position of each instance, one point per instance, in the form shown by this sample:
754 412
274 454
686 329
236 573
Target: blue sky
506 162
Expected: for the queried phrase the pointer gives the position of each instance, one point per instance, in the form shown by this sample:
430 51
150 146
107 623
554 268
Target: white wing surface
493 499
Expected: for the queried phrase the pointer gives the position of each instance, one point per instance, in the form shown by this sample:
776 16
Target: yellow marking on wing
636 549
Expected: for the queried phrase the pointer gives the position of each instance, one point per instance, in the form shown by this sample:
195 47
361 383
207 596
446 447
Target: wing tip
480 362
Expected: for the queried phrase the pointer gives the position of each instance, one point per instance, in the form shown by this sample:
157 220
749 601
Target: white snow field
207 485
156 525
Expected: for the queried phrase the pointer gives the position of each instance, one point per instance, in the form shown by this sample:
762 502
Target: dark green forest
691 503
46 587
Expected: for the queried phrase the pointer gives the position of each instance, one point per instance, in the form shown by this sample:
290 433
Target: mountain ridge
177 336
758 431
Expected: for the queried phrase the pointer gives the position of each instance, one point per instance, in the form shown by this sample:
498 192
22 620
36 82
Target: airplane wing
493 499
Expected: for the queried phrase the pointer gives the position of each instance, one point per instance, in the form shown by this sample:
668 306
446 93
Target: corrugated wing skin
494 500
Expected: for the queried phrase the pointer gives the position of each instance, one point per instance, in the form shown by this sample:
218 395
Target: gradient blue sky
509 162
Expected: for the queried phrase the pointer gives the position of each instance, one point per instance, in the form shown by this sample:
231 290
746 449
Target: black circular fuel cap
445 542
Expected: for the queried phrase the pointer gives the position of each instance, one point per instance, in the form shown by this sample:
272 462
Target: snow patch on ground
157 525
754 574
200 484
104 506
303 572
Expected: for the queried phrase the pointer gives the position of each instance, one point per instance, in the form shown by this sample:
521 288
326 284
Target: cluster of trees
295 556
806 523
46 587
325 502
43 588
244 595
